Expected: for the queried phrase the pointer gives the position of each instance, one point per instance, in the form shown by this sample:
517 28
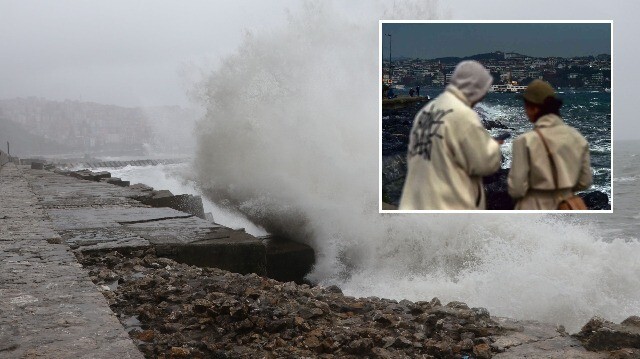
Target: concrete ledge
288 260
240 253
183 202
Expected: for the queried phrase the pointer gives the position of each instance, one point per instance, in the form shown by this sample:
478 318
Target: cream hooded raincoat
449 150
530 178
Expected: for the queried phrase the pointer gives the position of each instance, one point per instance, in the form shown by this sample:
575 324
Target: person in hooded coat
449 149
531 178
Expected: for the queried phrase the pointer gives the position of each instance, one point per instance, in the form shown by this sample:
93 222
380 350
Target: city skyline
437 40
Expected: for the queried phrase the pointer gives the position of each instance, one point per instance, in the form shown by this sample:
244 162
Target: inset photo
498 116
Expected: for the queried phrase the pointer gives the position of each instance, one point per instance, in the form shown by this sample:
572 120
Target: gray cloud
120 52
135 53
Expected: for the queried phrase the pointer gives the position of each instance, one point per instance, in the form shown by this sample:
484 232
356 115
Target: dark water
624 222
588 112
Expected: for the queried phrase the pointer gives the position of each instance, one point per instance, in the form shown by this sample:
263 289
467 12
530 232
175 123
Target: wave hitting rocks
173 310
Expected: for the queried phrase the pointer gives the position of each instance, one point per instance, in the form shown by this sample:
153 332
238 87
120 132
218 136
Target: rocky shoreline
173 310
176 310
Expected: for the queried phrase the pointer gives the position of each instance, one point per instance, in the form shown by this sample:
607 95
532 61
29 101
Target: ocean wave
601 171
317 181
625 179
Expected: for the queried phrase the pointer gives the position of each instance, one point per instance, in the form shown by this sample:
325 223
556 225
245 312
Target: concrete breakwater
117 164
137 216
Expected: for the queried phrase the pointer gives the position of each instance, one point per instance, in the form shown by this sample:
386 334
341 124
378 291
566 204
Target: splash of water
290 139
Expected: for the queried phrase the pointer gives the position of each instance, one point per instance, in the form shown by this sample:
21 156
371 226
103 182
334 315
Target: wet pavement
49 307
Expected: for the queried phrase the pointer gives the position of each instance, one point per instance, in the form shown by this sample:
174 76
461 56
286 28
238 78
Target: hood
472 79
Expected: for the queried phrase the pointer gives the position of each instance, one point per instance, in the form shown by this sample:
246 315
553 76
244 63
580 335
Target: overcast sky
433 40
120 51
135 52
626 52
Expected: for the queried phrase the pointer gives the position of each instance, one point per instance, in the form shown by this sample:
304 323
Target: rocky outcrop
596 200
601 335
491 124
402 101
174 310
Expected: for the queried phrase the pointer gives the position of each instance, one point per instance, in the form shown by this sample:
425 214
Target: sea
587 111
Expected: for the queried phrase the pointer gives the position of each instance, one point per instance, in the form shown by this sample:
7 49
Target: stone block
184 202
288 260
240 253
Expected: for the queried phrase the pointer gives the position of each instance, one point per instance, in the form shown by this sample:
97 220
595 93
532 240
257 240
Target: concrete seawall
118 164
49 306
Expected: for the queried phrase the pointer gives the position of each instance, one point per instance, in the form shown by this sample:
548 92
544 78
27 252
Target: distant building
512 55
448 78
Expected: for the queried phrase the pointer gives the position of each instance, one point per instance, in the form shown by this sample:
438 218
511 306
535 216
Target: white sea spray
290 139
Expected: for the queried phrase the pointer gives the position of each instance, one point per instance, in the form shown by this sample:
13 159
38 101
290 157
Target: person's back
534 181
531 177
449 152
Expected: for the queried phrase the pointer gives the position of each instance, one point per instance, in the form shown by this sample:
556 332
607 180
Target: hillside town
36 124
578 73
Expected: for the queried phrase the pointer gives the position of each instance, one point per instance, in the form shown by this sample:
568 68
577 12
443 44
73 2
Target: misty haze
73 129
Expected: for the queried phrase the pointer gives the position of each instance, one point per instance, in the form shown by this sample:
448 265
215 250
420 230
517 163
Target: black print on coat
429 123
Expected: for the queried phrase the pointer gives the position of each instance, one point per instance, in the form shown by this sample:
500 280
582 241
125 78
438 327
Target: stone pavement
98 216
49 308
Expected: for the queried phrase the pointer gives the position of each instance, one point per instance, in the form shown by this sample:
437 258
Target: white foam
175 178
291 139
625 179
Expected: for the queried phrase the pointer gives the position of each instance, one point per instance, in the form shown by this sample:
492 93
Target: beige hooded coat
449 153
530 178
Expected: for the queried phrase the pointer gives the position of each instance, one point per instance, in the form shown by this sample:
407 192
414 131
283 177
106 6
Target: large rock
288 260
491 124
599 334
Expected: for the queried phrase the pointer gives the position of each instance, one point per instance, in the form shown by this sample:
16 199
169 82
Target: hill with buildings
40 126
582 72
